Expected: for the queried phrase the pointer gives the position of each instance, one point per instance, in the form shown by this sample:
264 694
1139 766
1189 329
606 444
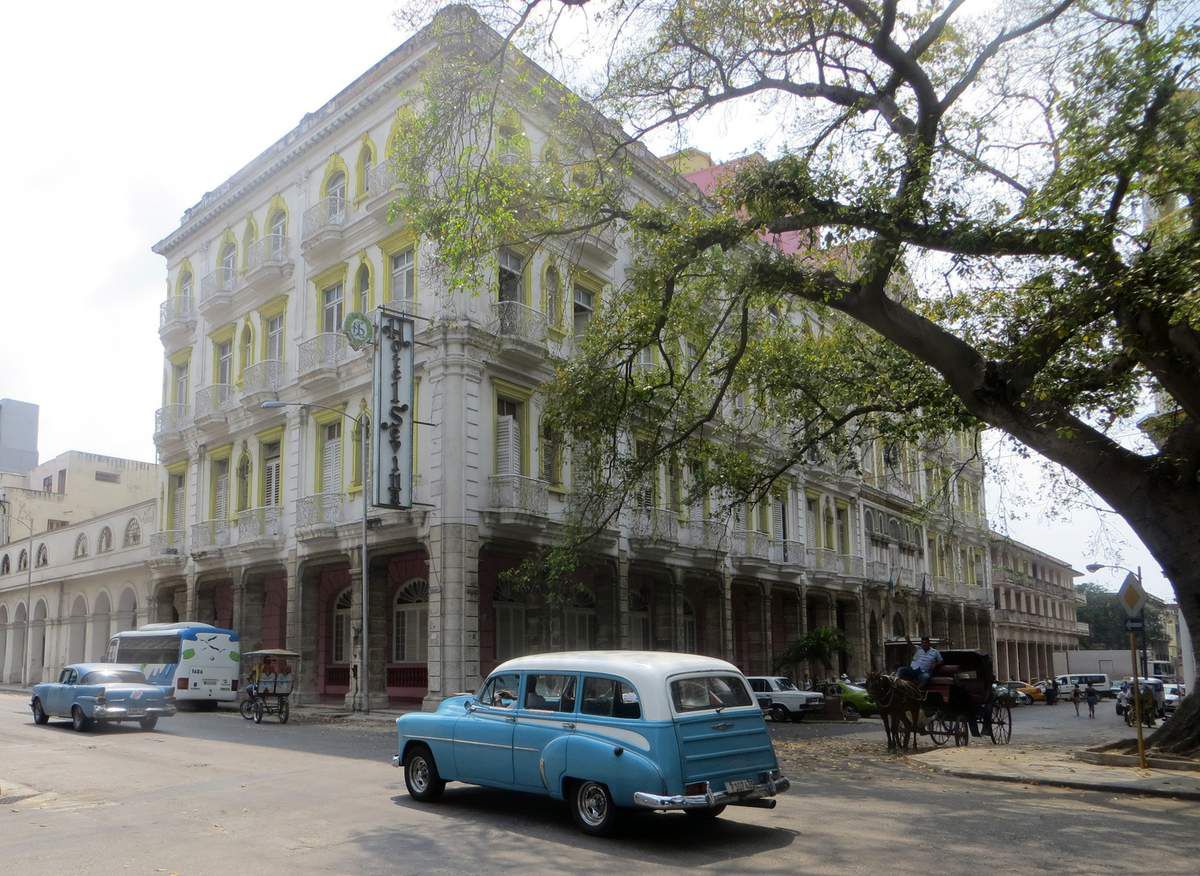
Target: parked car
1016 691
1114 689
1011 695
1172 697
784 701
856 702
602 730
1036 693
101 692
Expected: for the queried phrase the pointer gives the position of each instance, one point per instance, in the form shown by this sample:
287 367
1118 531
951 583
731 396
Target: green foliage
1105 617
820 645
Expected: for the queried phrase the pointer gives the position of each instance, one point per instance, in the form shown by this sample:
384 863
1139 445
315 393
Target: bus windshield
148 649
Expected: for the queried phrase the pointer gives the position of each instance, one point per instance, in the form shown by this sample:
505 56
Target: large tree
968 185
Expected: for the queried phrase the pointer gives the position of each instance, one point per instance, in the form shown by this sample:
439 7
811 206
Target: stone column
864 637
677 608
354 698
453 550
621 603
238 591
248 597
727 614
185 598
768 648
377 636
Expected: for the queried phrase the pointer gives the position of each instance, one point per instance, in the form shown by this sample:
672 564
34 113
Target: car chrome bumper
123 712
396 760
770 784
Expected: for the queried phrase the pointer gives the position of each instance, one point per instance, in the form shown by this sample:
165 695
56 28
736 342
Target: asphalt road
210 793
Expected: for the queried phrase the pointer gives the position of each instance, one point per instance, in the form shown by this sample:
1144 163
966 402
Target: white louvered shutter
508 445
779 519
271 482
177 500
221 490
331 460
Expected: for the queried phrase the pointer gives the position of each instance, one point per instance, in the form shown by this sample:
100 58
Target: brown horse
899 703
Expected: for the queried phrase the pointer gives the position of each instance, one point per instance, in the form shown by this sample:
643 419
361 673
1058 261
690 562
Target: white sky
122 115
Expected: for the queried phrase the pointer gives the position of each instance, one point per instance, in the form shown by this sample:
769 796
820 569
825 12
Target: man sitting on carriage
925 659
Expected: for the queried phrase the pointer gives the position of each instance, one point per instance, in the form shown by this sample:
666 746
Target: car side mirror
470 705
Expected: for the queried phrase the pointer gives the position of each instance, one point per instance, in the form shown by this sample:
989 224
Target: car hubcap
593 803
419 774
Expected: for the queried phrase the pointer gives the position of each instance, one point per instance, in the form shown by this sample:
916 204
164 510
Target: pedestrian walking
1092 698
1075 699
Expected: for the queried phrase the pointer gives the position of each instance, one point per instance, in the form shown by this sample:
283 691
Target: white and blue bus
198 661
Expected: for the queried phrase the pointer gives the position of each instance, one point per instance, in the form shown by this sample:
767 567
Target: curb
1067 783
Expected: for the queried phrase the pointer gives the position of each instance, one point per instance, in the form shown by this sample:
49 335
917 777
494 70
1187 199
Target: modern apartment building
1034 607
259 522
18 436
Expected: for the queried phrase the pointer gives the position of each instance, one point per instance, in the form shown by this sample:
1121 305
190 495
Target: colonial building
259 519
1035 602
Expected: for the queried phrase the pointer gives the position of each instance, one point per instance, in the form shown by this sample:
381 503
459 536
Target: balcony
381 189
516 498
169 422
209 537
850 565
318 516
261 381
323 224
879 570
168 550
176 317
599 242
213 403
706 535
521 329
216 292
750 549
322 355
654 531
268 263
823 560
260 529
786 552
1082 629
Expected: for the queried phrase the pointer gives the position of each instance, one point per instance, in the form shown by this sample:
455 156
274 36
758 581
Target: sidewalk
1039 766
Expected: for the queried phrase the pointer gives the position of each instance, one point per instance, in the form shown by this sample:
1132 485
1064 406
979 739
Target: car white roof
648 670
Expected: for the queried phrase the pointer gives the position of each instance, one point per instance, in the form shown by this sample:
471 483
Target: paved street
209 792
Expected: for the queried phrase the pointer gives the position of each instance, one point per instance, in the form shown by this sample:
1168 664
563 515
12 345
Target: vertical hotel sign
393 405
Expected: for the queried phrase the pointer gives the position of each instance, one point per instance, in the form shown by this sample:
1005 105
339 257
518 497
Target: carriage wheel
962 732
1000 727
939 730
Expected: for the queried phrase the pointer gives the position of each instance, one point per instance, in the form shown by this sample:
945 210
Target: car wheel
148 723
421 775
797 717
706 812
79 720
593 809
39 714
779 712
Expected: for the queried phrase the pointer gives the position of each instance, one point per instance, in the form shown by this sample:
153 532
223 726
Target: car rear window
115 676
709 692
607 696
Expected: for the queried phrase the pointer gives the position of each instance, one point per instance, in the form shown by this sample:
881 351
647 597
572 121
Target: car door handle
568 725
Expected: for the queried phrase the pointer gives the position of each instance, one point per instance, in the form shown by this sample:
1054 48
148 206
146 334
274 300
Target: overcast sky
121 116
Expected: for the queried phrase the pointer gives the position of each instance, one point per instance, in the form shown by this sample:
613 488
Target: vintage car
782 700
602 730
91 692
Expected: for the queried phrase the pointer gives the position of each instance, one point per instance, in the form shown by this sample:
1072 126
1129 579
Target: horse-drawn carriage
959 702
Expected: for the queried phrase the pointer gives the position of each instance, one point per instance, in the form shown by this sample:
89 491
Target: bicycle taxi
269 683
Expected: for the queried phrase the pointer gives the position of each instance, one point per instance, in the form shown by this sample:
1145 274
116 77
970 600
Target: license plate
737 786
212 681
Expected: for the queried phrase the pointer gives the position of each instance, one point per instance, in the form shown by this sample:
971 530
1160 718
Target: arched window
243 482
81 546
4 567
366 161
356 451
133 533
510 624
639 622
277 229
228 267
185 284
335 191
43 557
362 288
580 631
104 542
898 631
246 350
552 293
341 627
410 622
689 628
22 561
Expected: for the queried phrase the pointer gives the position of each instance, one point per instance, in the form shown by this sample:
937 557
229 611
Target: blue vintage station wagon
603 730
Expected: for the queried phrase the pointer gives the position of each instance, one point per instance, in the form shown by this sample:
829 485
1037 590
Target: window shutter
779 519
177 504
221 491
271 482
331 461
508 445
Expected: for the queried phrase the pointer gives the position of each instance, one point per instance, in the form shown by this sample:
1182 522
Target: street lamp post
1137 687
360 424
28 524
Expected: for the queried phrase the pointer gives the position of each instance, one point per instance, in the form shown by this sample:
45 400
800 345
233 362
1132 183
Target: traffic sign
1132 596
1135 624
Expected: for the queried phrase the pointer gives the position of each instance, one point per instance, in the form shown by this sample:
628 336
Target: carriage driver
925 659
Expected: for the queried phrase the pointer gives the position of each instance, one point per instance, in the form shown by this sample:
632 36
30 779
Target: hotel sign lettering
392 448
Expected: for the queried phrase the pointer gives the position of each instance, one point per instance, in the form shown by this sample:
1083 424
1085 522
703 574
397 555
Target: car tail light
181 683
233 685
694 788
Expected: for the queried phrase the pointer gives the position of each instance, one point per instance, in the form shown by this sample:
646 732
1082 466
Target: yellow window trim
181 356
324 280
277 306
406 238
526 255
184 267
332 165
175 468
266 436
222 452
277 204
557 327
227 237
270 436
356 450
249 238
369 303
519 394
360 183
224 333
321 419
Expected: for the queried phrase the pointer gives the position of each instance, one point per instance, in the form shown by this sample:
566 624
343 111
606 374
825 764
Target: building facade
18 436
259 517
1034 605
